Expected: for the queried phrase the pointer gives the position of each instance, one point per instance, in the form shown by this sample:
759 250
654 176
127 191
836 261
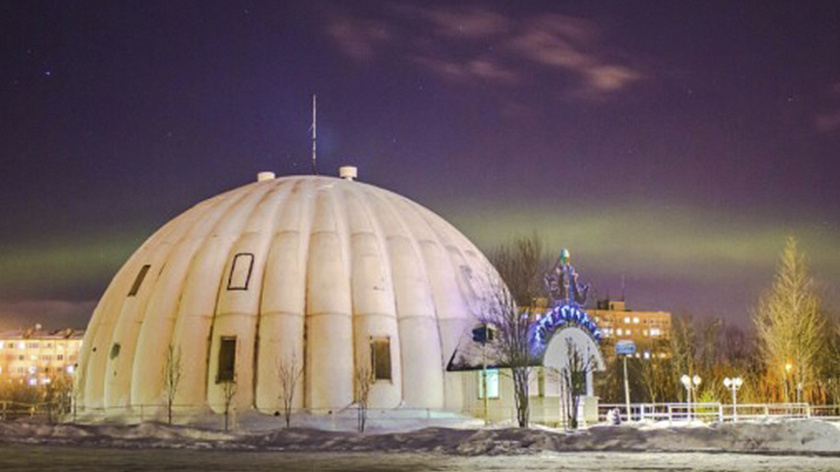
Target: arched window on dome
240 271
138 281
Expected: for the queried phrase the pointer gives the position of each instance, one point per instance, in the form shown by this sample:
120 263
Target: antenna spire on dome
314 129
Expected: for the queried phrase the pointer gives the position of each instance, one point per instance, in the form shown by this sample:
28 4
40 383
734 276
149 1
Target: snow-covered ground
772 437
65 459
780 445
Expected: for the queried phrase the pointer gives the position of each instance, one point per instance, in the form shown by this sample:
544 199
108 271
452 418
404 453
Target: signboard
483 334
625 348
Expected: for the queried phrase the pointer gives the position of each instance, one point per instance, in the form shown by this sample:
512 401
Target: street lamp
734 384
788 368
690 383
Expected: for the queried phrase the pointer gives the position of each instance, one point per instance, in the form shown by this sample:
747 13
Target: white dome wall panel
421 362
121 348
283 289
156 332
448 297
237 313
198 306
282 322
374 315
92 357
281 341
90 372
281 325
124 339
384 393
195 319
372 290
329 326
419 338
411 290
452 314
101 345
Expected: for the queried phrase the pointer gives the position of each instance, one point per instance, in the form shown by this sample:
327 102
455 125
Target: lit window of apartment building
34 356
618 322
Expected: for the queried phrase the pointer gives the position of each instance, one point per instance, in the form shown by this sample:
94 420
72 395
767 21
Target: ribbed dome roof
315 269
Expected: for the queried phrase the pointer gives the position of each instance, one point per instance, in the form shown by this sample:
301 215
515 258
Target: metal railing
713 411
826 412
10 410
411 418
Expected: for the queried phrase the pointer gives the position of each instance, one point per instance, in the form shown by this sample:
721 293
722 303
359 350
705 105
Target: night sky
674 144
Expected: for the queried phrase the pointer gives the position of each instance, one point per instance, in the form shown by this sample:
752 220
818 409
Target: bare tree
831 368
573 382
75 393
520 264
363 383
511 347
289 372
57 396
683 348
171 378
656 372
228 395
790 325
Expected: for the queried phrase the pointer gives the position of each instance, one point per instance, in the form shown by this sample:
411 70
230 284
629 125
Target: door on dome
227 360
380 358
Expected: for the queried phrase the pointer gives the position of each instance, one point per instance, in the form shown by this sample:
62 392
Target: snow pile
146 435
793 436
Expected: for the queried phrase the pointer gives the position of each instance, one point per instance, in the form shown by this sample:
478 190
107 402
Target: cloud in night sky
475 45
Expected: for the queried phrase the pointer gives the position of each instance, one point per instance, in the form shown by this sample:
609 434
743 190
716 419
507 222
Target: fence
715 411
409 418
10 410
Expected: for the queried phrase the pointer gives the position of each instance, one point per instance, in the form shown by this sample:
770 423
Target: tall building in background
35 356
650 330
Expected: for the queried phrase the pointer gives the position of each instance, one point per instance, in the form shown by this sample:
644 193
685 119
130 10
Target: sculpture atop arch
567 295
562 283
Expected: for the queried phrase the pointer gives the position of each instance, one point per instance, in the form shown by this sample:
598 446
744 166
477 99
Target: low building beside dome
35 357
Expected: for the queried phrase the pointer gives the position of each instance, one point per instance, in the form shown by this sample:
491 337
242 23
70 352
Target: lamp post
626 348
482 335
788 368
734 384
690 383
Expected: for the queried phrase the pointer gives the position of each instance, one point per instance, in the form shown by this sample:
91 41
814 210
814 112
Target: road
63 459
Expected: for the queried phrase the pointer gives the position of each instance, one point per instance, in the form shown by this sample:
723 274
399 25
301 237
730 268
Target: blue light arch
558 317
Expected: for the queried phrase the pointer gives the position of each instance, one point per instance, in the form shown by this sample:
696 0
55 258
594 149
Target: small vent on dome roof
348 172
266 175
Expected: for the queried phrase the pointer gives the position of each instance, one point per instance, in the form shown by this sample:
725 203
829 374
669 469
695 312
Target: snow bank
779 437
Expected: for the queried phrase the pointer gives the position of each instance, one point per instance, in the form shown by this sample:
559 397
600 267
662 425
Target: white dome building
329 272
